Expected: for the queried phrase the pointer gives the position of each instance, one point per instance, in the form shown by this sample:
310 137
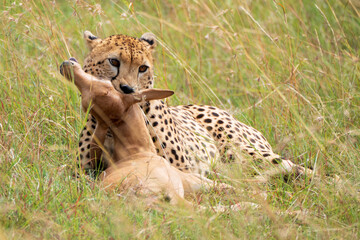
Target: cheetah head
125 61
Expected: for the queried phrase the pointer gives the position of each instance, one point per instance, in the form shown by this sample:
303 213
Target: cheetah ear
91 40
149 39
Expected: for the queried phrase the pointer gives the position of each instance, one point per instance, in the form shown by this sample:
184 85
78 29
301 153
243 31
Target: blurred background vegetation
288 68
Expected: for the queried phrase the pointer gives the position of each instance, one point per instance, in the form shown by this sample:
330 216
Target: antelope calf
135 163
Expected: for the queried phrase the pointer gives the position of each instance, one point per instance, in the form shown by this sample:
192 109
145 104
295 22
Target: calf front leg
71 70
90 88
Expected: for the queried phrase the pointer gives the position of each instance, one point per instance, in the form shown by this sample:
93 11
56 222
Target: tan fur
188 147
190 137
135 164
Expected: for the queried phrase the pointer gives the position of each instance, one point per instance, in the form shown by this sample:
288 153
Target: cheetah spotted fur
191 137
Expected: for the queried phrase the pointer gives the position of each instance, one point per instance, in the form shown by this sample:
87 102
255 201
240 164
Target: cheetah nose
126 89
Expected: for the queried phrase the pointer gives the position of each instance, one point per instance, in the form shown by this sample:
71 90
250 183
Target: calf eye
114 62
143 68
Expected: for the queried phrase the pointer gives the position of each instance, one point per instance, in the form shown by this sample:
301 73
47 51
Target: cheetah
190 137
137 168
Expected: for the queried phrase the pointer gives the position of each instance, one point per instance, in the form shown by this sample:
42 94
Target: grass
288 68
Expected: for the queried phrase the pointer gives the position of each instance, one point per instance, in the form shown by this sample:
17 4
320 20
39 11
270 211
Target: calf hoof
66 67
73 59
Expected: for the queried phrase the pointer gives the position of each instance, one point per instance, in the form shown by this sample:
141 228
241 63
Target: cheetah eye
143 68
114 62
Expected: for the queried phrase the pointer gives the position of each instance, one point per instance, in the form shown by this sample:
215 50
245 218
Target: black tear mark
117 74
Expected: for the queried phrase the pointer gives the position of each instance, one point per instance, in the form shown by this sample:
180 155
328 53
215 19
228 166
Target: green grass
288 68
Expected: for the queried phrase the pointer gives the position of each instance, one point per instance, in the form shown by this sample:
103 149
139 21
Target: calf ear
154 94
146 95
149 39
91 40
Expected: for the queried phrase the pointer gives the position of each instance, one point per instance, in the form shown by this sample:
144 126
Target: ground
288 68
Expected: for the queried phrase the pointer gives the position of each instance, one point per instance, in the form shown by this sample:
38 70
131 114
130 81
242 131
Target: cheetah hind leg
287 167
